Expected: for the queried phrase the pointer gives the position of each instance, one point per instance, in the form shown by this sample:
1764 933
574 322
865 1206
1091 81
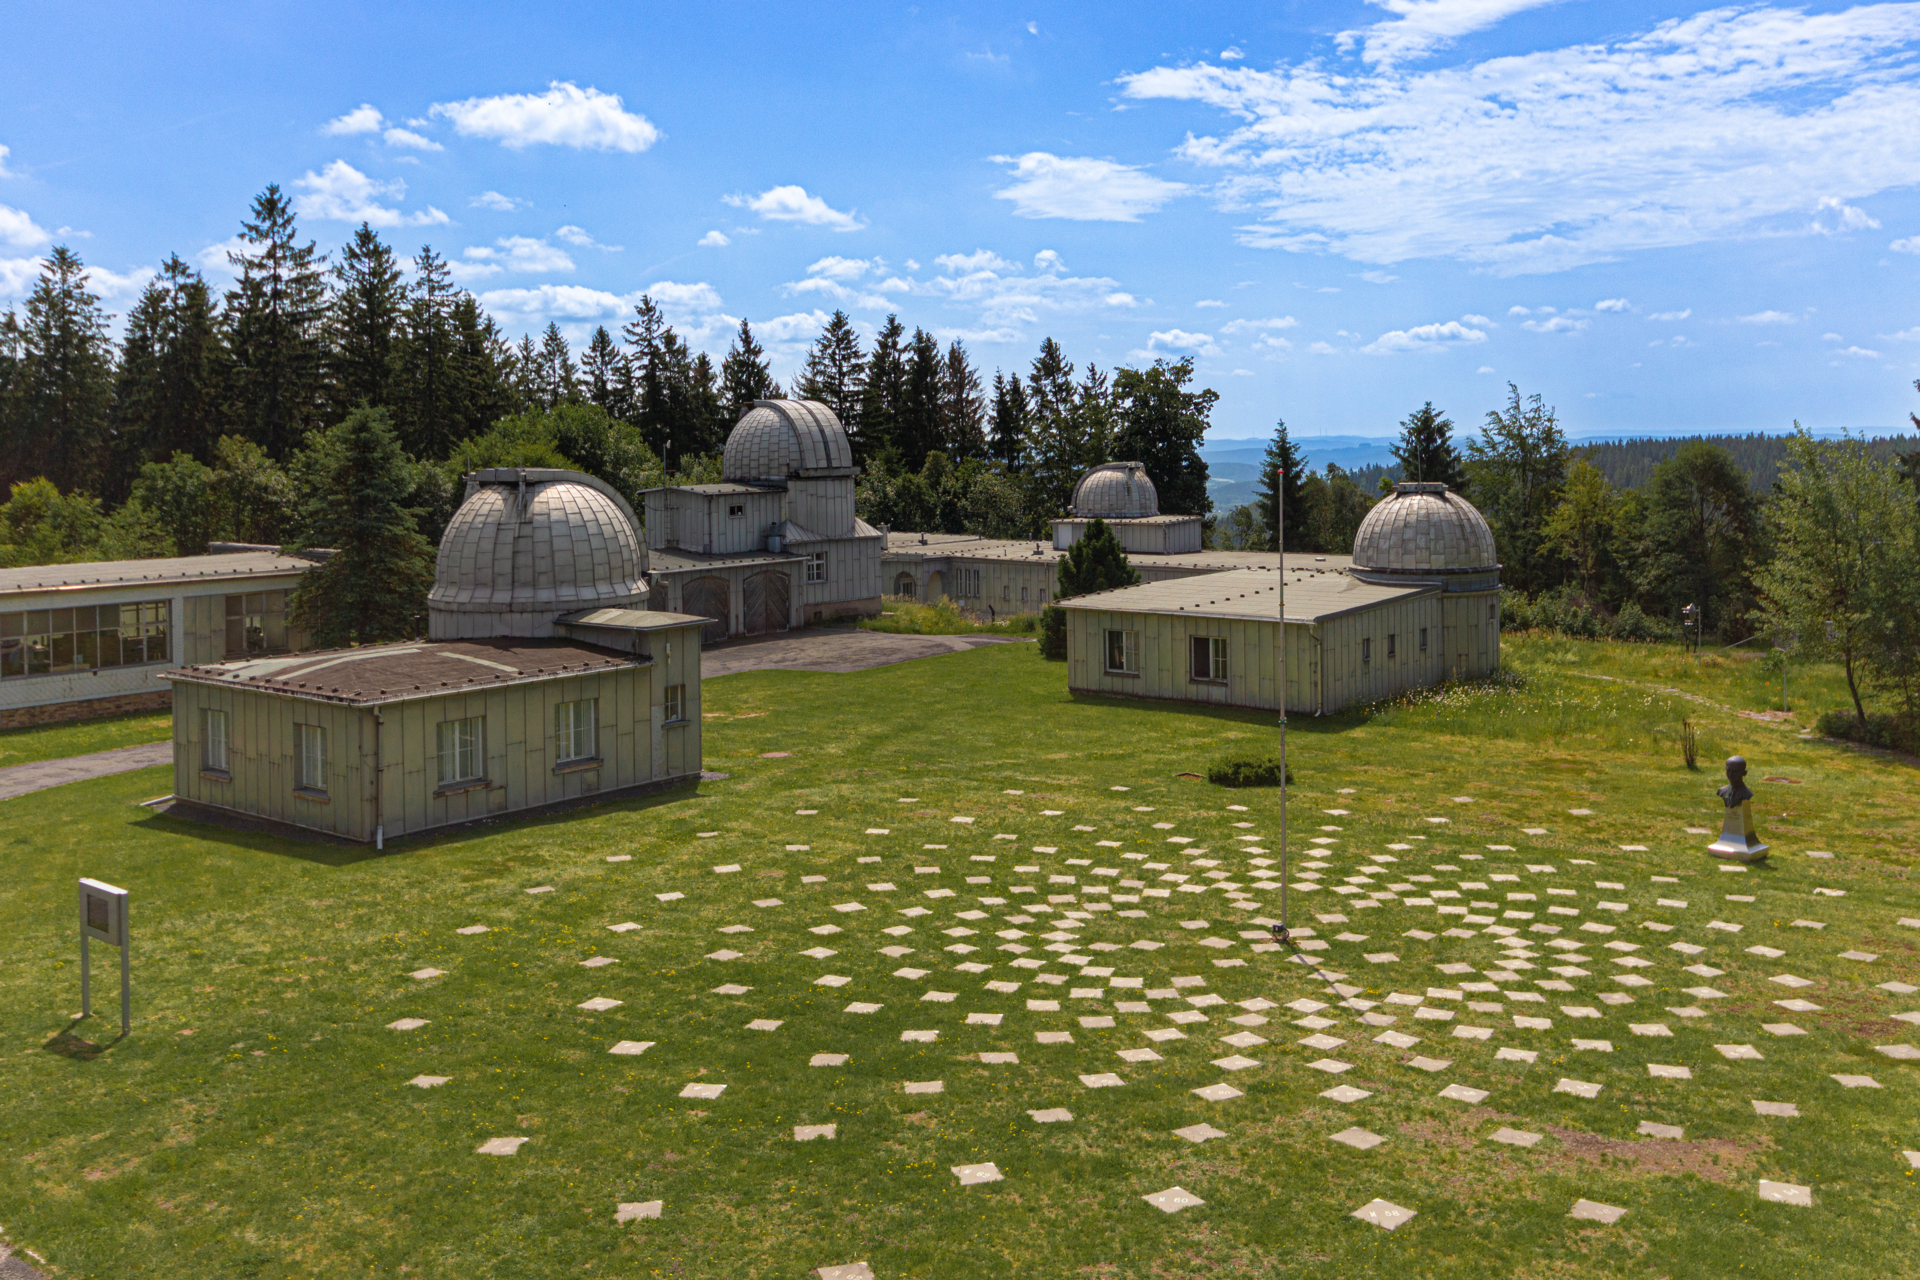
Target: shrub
1890 732
1053 634
1246 771
1570 613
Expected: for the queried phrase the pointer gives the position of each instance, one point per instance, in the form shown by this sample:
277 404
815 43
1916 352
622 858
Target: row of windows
39 642
257 623
1206 656
1393 646
459 745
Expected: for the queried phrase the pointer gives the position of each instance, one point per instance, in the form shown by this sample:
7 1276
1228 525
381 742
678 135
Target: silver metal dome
779 439
1115 491
1424 528
528 545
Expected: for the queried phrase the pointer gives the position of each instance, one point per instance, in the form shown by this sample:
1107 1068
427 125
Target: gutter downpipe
1320 670
379 815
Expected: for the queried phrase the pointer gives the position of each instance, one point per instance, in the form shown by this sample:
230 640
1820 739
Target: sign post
1280 541
103 915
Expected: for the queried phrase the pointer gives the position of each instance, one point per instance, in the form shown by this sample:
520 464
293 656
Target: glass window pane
13 656
12 624
61 621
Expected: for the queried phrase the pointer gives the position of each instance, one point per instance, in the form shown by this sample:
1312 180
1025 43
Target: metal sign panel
103 912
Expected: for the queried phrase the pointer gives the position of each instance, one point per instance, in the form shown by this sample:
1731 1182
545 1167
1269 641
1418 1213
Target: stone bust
1736 792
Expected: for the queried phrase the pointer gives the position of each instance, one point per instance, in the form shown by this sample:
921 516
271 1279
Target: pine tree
431 413
699 426
560 377
1161 425
170 388
603 380
963 411
363 324
919 429
883 399
526 376
373 588
745 376
1010 426
1425 449
1282 455
836 372
58 415
276 319
1054 449
649 376
1095 563
482 371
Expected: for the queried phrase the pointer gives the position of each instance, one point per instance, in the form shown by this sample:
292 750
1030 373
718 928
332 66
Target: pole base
1733 851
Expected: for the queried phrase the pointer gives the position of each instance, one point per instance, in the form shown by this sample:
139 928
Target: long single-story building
81 640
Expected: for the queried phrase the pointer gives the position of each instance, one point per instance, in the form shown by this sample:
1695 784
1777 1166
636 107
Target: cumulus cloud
1911 244
219 257
1209 302
1479 321
1612 304
1671 315
1906 335
1426 337
4 171
1045 260
511 253
1378 277
1834 215
494 200
1702 128
1000 296
564 116
579 237
793 204
1485 368
1082 189
799 327
715 239
1180 340
408 138
341 193
1555 324
365 118
836 268
20 231
1324 349
1768 317
17 276
673 296
1231 54
1420 26
1259 326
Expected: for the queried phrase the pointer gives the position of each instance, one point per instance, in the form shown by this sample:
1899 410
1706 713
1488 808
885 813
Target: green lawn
259 1121
82 737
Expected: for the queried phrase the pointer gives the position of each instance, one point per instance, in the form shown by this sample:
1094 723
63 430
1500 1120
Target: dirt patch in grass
1715 1159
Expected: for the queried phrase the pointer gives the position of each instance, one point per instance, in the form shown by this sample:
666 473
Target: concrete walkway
832 649
17 780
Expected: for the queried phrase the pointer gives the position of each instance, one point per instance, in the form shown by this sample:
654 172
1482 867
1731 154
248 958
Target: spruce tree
1009 429
836 372
1161 425
1425 449
603 381
919 429
1055 449
373 588
524 376
745 376
363 324
58 417
276 317
649 355
483 390
170 387
963 410
558 374
883 399
432 411
1282 455
1095 563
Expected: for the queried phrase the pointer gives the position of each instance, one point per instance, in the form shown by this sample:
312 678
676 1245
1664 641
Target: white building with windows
549 680
776 544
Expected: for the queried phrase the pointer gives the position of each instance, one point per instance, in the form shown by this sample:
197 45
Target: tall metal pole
86 977
1280 541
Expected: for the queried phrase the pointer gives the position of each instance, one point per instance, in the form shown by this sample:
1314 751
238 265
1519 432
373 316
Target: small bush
1569 613
1246 771
1053 634
1889 732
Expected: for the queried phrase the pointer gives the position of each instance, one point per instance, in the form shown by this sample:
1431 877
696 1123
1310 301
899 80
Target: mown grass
258 1123
81 737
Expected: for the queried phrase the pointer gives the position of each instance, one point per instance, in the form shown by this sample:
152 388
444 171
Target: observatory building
547 680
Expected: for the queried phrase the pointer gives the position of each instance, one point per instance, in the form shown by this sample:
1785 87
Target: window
676 704
39 642
1366 649
816 566
575 730
1123 652
968 581
1390 644
312 771
1490 609
1208 659
459 745
1023 595
257 623
1006 593
213 756
1423 639
736 510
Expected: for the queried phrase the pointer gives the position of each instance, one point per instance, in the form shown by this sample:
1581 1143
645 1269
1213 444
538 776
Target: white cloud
1858 351
514 253
1671 315
4 171
793 204
1910 244
1209 302
341 193
985 260
1426 337
699 297
216 257
494 200
1612 304
578 236
1831 337
564 116
1231 54
408 138
1480 322
1768 317
1485 368
1119 300
1834 215
557 302
1420 26
1046 260
1257 326
801 326
20 231
1557 324
17 276
835 268
1523 311
1378 277
1905 335
1181 340
1324 349
1704 128
115 285
715 239
365 118
1082 189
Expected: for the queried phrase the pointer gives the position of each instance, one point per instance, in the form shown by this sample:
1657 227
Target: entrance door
936 586
903 586
708 598
766 602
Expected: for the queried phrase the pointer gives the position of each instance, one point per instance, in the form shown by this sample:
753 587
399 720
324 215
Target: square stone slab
1345 1093
1578 1088
926 1086
1331 1066
861 1006
1051 1115
1430 1064
1384 1214
1173 1199
703 1091
428 1082
637 1210
1236 1062
850 1271
1785 1110
1323 1043
1357 1138
1199 1132
1464 1093
1243 1040
421 975
1140 1055
407 1024
972 1174
1398 1039
1661 1071
1901 1052
599 1004
731 989
1514 1137
1786 1193
631 1048
1053 1037
1218 1092
723 954
1102 1080
1516 1055
1000 1059
480 928
499 1147
808 1132
1654 1129
1594 1211
764 1024
1738 1052
1857 1082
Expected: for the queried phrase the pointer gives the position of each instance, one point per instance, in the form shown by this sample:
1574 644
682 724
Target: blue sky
1662 217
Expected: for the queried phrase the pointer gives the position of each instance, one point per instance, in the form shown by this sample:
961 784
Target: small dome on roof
529 545
1115 491
1424 528
777 439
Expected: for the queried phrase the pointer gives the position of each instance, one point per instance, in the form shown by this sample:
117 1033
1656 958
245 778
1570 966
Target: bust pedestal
1738 841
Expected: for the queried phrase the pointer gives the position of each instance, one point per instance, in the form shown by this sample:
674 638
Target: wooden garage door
765 600
708 598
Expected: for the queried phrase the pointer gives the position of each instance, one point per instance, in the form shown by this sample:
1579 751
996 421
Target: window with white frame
214 756
1392 644
576 730
460 748
311 774
816 566
1123 652
1366 649
1207 657
676 703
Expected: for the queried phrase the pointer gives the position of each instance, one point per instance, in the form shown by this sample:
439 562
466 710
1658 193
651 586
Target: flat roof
713 490
632 619
402 672
1311 597
680 560
106 574
1126 519
971 547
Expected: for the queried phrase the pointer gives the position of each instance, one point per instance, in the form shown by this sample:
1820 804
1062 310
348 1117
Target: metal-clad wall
822 506
853 573
1473 637
261 746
